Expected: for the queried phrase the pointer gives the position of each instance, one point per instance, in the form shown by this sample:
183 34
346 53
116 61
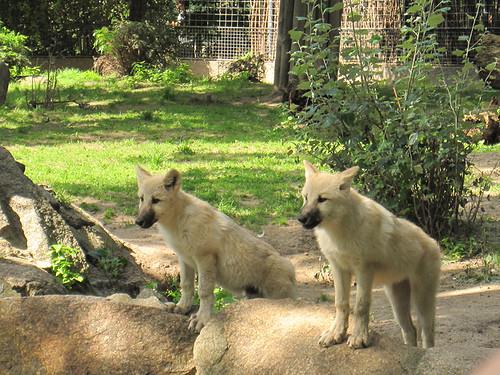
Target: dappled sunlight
471 290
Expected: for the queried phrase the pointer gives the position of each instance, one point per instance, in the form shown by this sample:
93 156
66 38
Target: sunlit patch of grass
232 155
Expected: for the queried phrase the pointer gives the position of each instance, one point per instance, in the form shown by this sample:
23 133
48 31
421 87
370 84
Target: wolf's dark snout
146 220
310 219
302 219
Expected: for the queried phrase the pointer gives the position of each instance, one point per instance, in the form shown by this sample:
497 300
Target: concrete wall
214 68
200 67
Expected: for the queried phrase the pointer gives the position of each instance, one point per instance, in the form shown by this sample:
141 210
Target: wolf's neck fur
176 213
351 219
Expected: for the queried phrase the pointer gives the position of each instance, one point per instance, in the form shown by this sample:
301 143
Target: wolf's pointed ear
347 177
172 180
310 169
141 173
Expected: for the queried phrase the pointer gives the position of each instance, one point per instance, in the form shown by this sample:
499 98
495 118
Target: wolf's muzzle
146 220
310 219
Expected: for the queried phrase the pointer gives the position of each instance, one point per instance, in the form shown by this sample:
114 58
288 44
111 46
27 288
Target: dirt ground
468 308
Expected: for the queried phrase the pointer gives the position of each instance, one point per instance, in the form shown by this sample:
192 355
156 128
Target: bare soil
468 308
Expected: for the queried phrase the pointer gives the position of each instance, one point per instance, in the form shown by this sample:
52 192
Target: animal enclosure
224 30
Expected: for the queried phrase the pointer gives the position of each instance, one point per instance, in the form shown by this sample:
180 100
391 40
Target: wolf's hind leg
400 298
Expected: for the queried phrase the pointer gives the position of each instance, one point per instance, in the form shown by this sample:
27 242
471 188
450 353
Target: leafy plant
222 298
324 273
13 50
103 40
251 64
407 135
67 265
113 266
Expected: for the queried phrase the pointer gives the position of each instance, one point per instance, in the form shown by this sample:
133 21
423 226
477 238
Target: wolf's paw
177 309
197 321
359 341
332 336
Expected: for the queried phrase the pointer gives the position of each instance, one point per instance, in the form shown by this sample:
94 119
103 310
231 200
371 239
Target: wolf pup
208 242
360 237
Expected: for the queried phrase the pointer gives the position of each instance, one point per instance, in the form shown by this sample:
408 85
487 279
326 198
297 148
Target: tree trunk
137 10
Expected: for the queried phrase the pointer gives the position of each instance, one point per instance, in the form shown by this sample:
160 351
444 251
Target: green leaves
66 265
435 20
334 8
295 35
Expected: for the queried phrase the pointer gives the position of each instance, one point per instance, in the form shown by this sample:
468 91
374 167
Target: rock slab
92 336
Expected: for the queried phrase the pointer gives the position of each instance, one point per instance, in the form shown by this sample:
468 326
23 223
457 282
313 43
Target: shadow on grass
139 114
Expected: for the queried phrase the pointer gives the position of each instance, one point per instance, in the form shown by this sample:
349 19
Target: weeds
67 265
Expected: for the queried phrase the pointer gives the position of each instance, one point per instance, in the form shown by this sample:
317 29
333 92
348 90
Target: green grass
231 152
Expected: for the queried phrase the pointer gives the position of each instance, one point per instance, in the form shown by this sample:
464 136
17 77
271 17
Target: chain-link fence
385 18
228 29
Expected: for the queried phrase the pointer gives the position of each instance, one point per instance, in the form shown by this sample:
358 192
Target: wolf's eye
141 199
154 200
322 199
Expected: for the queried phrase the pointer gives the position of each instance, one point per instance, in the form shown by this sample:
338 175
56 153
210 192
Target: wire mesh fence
228 29
385 18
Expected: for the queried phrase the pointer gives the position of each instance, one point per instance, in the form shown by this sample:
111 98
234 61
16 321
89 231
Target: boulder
92 336
23 279
4 81
32 219
281 337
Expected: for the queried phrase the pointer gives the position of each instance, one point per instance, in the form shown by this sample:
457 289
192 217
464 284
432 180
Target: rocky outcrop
90 335
281 337
32 219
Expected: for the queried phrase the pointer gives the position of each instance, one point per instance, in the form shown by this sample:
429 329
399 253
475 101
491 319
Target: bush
13 50
133 42
408 136
252 65
142 71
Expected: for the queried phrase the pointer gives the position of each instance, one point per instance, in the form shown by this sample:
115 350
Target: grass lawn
227 145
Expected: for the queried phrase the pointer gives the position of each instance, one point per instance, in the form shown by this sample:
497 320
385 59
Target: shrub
408 136
13 50
142 71
132 42
249 63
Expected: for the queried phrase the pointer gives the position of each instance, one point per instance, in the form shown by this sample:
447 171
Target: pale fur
361 238
208 242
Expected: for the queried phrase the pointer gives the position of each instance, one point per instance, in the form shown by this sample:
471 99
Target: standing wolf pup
208 242
358 236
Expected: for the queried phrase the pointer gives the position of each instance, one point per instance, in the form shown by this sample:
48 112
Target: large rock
281 337
92 336
22 279
32 219
4 81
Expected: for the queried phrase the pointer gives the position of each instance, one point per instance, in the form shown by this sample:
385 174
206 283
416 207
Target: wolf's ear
172 180
141 173
310 169
347 177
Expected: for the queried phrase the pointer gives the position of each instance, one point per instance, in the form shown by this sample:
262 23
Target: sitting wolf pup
208 242
360 237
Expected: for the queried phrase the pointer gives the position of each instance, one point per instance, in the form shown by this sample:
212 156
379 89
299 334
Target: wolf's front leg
187 289
359 337
206 284
336 334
